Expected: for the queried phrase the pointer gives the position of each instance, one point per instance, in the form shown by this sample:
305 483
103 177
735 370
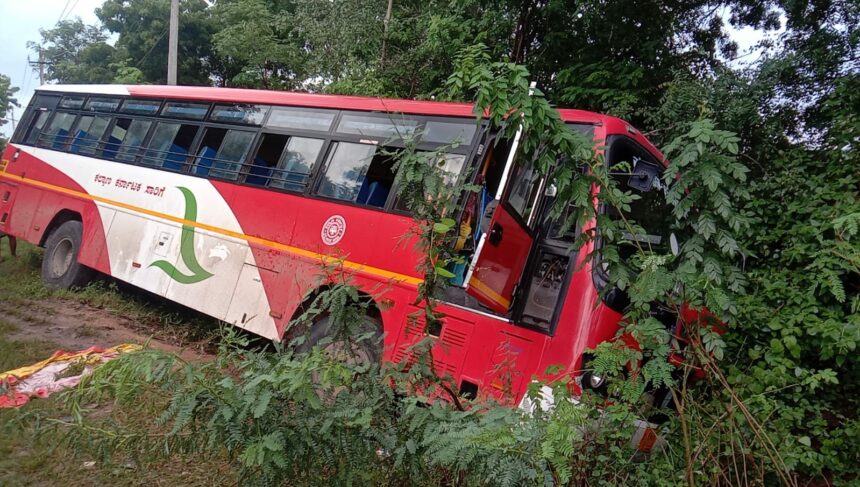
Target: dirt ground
75 326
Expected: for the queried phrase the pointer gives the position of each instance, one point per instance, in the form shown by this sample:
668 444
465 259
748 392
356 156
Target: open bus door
504 246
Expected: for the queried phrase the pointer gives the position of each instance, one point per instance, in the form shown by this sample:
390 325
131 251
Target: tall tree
142 25
258 37
76 53
7 103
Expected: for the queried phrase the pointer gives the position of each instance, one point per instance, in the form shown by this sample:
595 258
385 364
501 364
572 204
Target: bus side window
88 133
125 139
356 173
523 196
294 169
170 145
222 152
36 125
284 162
451 165
266 158
57 135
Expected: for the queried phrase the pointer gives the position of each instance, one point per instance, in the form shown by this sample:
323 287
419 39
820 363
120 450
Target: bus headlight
592 381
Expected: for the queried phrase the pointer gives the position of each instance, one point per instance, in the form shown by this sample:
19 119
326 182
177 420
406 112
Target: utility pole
41 68
41 64
173 42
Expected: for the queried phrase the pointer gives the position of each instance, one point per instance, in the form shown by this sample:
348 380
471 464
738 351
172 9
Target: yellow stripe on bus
498 298
326 259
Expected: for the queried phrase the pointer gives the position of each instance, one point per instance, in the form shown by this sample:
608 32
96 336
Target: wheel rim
61 259
344 353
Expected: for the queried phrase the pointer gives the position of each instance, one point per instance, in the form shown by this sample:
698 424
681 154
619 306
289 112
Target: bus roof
338 102
269 97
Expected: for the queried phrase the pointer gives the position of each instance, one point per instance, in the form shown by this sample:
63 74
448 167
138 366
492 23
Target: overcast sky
22 19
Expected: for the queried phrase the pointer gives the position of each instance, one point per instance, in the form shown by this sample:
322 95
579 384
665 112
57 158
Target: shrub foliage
771 253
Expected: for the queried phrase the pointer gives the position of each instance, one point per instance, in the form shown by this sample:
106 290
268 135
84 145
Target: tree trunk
521 33
385 23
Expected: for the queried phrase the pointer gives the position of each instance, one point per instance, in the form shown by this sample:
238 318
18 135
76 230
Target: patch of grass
14 354
33 452
21 275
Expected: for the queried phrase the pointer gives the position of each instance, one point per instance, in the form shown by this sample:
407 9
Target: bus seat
79 141
373 194
60 139
111 148
204 161
260 173
175 159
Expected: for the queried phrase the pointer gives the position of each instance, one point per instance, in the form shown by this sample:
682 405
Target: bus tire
365 351
60 266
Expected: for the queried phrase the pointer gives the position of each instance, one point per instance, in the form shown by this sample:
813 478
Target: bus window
302 119
451 166
295 168
368 126
35 128
222 152
526 184
244 114
449 132
170 145
88 133
642 176
140 107
57 135
284 162
193 111
354 172
72 101
102 104
650 211
266 158
125 139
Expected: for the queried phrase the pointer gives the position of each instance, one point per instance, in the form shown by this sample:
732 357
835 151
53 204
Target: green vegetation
7 102
763 189
17 353
763 416
33 454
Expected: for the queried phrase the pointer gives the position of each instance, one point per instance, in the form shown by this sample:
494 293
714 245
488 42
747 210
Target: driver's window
646 225
525 185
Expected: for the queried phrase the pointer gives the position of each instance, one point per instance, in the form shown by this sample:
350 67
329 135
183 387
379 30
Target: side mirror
643 176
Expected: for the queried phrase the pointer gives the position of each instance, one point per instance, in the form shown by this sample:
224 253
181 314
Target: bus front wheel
365 348
60 266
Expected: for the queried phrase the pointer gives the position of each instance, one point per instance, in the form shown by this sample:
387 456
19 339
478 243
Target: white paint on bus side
233 293
120 90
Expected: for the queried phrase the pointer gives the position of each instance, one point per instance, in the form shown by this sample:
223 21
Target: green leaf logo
186 248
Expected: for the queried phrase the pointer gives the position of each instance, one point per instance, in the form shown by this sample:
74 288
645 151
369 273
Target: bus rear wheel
60 266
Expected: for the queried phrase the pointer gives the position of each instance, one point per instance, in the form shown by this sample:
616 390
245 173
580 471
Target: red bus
228 201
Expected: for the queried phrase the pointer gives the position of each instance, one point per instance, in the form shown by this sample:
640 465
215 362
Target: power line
28 76
71 9
151 48
63 11
26 70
